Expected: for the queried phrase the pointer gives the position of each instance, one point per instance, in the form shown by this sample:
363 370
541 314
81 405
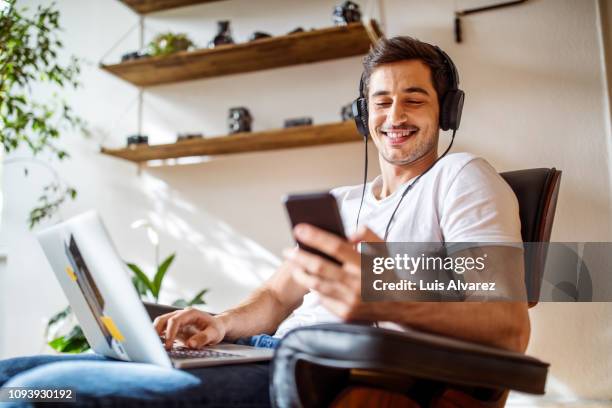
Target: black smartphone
318 209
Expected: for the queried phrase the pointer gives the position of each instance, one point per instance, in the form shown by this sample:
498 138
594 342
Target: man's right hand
191 326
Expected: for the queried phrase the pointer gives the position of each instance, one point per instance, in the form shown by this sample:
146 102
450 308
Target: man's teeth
399 133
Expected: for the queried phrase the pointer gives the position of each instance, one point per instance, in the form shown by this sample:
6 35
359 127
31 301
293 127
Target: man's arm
266 308
261 312
499 324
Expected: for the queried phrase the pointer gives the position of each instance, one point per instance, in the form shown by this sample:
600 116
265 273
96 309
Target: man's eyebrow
412 89
416 89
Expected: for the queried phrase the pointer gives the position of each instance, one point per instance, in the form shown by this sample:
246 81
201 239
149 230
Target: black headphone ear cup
360 113
451 109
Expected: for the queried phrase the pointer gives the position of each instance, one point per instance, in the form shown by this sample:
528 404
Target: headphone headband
451 103
454 75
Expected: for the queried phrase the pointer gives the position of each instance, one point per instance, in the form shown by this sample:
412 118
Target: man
460 199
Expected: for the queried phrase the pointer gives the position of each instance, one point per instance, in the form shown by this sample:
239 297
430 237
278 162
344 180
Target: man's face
403 111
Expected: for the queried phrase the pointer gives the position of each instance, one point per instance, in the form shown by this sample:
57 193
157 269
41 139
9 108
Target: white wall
533 79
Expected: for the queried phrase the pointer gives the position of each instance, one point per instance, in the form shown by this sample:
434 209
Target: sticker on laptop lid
71 273
112 328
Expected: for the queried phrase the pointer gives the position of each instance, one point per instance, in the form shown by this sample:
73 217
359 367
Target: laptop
113 318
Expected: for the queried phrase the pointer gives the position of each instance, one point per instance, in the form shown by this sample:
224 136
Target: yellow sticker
114 331
71 273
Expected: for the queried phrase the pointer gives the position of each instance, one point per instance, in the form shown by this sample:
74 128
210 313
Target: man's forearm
266 308
260 313
499 324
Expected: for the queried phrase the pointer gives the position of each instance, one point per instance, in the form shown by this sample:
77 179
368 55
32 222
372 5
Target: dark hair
388 50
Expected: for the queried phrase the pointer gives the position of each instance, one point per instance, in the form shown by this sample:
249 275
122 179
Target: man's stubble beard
420 150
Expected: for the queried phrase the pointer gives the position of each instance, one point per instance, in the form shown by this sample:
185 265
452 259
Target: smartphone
318 209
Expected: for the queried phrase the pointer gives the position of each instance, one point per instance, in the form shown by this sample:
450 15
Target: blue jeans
102 382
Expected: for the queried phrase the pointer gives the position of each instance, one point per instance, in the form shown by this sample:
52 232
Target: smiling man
457 198
460 198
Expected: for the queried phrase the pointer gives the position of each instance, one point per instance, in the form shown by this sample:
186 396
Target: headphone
451 106
451 103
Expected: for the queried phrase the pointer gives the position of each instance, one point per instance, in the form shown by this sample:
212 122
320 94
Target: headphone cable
365 180
409 187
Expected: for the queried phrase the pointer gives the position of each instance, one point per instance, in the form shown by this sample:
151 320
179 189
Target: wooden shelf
243 142
300 48
150 6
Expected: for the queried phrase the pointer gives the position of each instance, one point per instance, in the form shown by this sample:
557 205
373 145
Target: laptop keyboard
184 352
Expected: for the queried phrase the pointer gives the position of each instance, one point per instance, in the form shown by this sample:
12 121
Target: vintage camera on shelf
134 55
346 13
258 35
181 137
223 36
295 122
135 140
346 112
239 120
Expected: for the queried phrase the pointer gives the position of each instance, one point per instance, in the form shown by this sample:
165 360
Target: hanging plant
29 57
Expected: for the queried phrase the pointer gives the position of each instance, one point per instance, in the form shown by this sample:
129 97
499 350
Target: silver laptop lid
96 282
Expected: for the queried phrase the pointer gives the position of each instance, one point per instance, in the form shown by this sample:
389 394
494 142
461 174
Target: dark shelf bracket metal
463 13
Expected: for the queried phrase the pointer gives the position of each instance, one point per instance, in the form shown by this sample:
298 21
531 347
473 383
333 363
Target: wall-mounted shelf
243 142
150 6
300 48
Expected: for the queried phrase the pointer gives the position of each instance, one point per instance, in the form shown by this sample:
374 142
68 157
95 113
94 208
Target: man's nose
397 115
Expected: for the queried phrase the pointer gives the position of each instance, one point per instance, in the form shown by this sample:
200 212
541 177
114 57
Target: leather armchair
355 365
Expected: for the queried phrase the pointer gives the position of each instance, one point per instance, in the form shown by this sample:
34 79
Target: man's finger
326 242
186 331
160 321
202 338
328 288
175 323
315 264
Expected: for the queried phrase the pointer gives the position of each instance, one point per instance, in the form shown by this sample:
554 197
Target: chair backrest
537 191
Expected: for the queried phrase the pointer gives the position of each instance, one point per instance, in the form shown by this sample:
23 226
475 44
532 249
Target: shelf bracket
373 31
463 13
140 89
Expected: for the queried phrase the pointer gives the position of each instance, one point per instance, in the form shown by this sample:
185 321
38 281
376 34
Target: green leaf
141 288
73 342
180 303
76 345
161 272
59 316
58 343
197 299
141 276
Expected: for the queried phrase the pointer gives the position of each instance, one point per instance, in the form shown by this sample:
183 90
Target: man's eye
414 102
383 104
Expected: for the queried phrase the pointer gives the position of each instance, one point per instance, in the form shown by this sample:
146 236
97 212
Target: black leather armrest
407 354
154 309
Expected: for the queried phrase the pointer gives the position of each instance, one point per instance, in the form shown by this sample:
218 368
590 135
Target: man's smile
397 136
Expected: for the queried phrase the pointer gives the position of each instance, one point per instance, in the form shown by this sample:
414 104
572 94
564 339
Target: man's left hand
339 286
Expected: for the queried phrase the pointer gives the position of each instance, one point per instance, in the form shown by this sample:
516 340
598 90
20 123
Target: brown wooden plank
243 142
150 6
310 46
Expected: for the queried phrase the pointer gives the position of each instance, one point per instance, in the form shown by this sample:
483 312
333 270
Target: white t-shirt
461 199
